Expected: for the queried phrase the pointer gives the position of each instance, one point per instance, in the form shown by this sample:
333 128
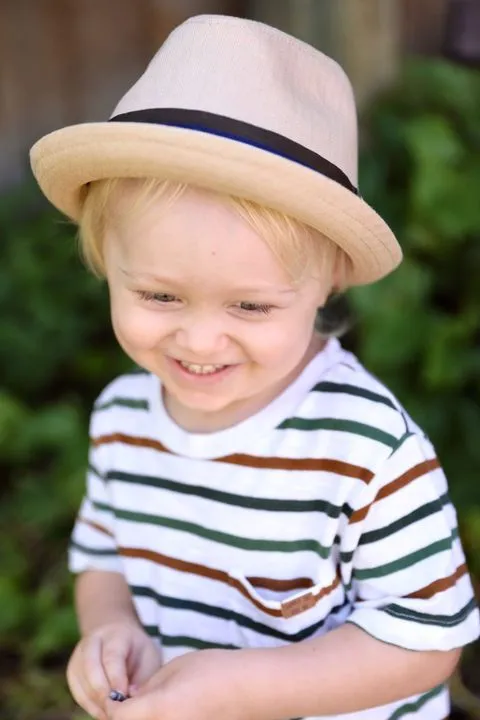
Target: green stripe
412 707
185 641
348 426
195 643
419 514
151 630
406 436
403 613
100 552
125 402
229 615
323 506
94 471
220 537
345 509
346 389
407 560
101 506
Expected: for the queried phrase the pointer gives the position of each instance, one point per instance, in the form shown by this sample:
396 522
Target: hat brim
65 161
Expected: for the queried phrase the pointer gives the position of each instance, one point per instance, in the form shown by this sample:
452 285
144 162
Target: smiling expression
199 299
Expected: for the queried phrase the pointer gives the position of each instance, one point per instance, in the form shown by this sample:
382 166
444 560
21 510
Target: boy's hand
203 685
116 656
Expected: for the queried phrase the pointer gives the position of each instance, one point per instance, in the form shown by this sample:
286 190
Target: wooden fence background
68 61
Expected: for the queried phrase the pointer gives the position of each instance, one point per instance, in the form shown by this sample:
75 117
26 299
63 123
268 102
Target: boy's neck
204 422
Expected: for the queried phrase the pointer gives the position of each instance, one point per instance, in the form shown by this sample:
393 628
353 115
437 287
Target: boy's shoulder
347 397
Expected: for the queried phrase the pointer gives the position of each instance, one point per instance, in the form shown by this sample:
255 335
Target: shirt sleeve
407 571
92 544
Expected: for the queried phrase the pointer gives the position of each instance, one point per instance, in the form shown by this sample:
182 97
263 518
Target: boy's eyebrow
283 290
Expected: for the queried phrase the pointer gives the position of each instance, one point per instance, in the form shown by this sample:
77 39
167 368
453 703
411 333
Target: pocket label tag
298 605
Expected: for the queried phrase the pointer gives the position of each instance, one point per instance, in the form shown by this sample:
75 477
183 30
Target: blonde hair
299 248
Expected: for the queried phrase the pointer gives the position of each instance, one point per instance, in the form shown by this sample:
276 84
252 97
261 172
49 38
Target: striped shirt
328 506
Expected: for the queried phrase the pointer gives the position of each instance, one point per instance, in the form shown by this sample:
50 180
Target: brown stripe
195 569
129 440
439 585
412 474
267 463
219 575
315 464
174 563
397 484
281 585
360 514
96 526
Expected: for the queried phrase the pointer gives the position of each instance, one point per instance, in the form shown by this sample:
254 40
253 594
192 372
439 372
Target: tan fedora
242 108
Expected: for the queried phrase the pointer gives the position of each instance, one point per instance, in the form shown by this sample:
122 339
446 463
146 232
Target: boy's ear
340 273
323 294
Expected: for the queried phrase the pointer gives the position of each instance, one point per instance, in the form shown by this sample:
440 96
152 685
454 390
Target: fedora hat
238 107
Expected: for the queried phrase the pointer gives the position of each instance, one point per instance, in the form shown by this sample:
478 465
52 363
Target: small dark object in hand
117 696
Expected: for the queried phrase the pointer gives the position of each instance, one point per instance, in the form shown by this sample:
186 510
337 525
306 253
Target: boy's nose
202 338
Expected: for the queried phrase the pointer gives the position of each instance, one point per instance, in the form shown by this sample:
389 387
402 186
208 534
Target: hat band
241 132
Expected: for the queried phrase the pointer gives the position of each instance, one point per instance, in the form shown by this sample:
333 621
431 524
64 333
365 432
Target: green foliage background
418 330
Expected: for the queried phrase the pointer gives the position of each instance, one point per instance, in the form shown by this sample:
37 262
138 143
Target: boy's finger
114 661
82 698
96 679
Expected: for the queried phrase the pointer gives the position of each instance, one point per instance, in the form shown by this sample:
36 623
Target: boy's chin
201 403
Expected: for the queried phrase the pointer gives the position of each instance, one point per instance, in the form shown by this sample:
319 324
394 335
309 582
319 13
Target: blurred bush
56 352
418 330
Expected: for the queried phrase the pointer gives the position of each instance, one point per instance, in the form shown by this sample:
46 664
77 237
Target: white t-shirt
328 506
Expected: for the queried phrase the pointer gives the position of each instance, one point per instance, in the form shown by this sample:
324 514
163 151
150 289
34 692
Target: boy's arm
344 671
101 598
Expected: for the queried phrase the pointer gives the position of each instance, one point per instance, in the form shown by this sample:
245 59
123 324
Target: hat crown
251 72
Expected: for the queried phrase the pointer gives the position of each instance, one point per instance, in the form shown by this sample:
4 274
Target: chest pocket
276 600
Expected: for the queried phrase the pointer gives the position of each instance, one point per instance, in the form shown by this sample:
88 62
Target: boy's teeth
201 369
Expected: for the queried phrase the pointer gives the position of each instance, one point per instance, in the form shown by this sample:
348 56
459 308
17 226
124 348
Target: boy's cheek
286 337
136 328
282 351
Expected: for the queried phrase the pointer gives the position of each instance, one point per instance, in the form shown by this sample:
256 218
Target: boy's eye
166 298
255 307
156 297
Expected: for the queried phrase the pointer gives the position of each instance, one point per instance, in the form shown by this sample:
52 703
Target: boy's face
200 300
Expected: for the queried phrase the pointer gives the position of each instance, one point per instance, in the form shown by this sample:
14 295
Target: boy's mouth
201 369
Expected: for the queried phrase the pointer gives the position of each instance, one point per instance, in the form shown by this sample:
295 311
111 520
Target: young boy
254 495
